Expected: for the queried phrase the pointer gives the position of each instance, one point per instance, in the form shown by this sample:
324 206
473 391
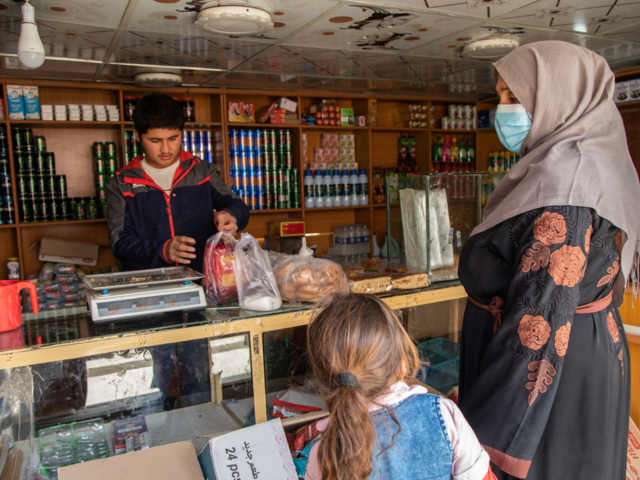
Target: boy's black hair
157 110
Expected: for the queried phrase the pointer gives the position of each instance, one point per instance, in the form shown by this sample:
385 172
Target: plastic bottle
412 144
346 185
309 190
364 187
437 150
351 240
471 151
446 150
318 182
367 241
455 150
338 189
330 191
355 187
338 242
464 151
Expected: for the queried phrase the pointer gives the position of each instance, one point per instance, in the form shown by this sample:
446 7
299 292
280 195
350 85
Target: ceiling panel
97 13
125 73
50 70
365 28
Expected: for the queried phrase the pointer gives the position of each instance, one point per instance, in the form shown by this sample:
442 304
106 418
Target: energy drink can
257 178
28 136
60 187
37 210
242 139
235 159
287 162
92 210
287 138
242 156
260 198
54 209
98 149
26 211
244 178
100 165
45 209
6 192
110 149
206 140
4 167
50 185
101 193
197 141
30 187
256 139
187 137
105 209
80 212
265 140
40 143
50 164
8 215
234 139
273 139
40 162
25 163
64 205
251 159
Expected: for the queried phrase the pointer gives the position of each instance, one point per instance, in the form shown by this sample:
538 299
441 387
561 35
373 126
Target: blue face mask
513 123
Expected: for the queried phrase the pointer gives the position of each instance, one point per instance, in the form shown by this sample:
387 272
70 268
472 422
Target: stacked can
199 143
6 194
105 164
132 147
41 193
262 169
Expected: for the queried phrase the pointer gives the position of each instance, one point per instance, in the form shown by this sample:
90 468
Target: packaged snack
46 272
302 278
65 269
257 287
50 287
67 288
66 279
53 296
219 280
52 305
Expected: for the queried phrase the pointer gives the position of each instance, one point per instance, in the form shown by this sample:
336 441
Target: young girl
380 427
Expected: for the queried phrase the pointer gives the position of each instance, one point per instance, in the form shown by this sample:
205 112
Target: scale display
119 307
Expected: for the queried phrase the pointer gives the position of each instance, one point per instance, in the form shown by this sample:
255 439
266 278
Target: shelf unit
71 142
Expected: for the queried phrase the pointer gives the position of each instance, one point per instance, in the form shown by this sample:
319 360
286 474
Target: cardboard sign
260 452
633 452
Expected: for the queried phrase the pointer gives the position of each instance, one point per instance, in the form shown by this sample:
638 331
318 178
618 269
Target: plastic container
363 190
346 185
439 350
443 377
338 189
318 182
353 179
329 189
309 190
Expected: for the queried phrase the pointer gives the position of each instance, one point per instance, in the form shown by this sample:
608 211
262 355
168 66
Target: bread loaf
410 281
370 284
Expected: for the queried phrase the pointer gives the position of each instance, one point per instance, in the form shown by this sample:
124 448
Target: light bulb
30 48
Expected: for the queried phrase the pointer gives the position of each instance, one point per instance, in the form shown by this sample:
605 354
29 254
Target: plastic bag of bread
219 280
302 278
257 288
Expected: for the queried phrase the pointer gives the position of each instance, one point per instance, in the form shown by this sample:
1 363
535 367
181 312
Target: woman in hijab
544 377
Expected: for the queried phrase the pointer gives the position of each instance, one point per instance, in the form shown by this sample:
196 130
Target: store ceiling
388 46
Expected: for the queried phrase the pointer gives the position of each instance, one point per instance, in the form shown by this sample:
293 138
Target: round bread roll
284 270
307 297
304 276
327 289
311 289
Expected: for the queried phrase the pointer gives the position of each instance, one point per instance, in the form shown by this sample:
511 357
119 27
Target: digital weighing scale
122 296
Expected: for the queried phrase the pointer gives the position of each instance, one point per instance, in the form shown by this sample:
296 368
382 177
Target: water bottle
346 185
338 189
364 189
337 242
309 191
367 241
355 186
357 245
351 239
318 182
330 191
376 249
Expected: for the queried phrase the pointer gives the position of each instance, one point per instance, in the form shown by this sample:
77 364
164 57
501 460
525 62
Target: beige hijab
576 152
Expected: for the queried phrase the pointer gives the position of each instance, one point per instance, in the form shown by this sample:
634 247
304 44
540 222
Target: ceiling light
490 48
153 79
233 20
30 48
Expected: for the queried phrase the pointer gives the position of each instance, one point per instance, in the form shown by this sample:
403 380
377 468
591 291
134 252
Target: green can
100 165
45 209
37 210
50 185
287 161
287 138
92 209
50 164
30 186
26 210
27 135
40 143
25 163
101 180
111 164
54 207
129 156
98 149
39 161
110 149
80 212
105 209
60 185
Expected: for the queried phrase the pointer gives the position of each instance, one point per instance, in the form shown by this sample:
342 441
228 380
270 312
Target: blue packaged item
66 279
16 103
31 101
65 269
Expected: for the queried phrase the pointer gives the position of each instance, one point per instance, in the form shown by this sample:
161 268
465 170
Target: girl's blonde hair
357 335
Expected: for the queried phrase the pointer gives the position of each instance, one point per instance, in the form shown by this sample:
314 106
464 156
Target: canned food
60 187
37 210
251 159
40 143
454 111
26 211
446 123
54 208
80 212
234 139
111 164
455 123
110 149
101 193
64 208
40 162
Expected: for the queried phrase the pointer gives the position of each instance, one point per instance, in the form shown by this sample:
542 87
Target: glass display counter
188 375
430 217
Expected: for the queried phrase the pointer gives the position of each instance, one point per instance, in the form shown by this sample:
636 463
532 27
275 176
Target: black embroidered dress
548 393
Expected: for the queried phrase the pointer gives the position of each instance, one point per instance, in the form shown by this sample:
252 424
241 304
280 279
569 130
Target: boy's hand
226 221
179 250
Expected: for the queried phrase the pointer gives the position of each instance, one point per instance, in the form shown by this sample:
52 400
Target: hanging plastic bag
302 278
219 280
257 288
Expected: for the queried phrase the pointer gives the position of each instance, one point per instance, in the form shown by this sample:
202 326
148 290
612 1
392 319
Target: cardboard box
241 112
260 451
634 90
346 117
288 105
16 103
31 103
65 251
287 245
621 92
130 435
287 228
633 452
168 462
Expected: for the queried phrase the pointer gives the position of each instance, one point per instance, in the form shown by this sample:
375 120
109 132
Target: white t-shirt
162 176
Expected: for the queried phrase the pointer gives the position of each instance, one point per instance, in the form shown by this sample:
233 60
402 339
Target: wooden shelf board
8 225
444 130
334 127
55 123
276 210
238 125
629 104
398 129
61 222
487 130
327 209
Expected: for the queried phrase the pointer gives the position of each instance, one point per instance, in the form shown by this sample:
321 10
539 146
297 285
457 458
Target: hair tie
346 380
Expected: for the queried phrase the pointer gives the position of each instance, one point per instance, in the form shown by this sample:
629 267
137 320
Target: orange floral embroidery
542 375
534 331
587 239
613 328
621 357
566 265
562 339
550 228
535 258
619 240
611 273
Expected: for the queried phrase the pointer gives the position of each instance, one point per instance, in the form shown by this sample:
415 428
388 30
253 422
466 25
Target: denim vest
422 449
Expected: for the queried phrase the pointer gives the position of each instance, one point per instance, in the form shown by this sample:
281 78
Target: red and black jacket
143 218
